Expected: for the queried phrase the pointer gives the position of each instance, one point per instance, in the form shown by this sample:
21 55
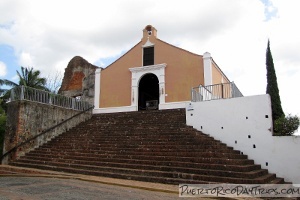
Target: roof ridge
123 55
179 48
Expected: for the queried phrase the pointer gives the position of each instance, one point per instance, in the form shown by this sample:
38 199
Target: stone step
126 137
155 179
141 163
164 169
137 133
101 157
131 173
138 153
153 146
141 143
129 151
140 133
127 140
6 172
142 147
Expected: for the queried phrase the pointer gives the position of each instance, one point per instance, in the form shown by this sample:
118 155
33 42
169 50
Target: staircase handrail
42 133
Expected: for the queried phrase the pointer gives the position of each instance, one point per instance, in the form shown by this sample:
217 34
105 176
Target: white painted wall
244 122
165 106
97 88
207 68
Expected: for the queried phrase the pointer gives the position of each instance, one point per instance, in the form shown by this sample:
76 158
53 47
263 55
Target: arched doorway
148 92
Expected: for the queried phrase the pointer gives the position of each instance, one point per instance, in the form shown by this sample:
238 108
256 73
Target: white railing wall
41 96
217 91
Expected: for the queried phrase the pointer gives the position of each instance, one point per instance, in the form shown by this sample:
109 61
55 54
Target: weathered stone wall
79 80
26 119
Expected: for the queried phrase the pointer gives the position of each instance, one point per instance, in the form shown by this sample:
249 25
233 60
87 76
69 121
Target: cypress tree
272 87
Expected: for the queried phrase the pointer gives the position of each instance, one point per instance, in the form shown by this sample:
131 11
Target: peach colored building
153 75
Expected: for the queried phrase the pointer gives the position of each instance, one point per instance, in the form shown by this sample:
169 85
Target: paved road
34 188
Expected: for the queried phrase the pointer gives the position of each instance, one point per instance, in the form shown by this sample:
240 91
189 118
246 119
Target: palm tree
2 90
5 82
31 78
28 77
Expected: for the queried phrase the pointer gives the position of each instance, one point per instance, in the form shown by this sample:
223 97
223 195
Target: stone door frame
138 72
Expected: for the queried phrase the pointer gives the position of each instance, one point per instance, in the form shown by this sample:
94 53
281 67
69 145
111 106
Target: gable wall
184 70
217 75
115 80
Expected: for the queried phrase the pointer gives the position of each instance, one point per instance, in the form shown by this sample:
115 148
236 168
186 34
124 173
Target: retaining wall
245 123
26 119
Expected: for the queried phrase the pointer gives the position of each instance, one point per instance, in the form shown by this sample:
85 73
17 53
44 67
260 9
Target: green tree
3 90
27 77
272 86
30 78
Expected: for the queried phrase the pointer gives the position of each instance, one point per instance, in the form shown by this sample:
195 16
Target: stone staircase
153 146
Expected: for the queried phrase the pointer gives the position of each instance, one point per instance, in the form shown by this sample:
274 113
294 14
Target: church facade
153 75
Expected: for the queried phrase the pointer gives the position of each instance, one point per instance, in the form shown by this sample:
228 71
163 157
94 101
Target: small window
148 57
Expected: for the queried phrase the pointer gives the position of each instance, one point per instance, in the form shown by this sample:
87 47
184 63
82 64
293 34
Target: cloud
25 60
47 34
3 70
97 30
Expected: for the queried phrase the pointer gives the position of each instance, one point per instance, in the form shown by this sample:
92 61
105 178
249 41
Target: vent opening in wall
266 116
148 57
246 117
235 142
254 146
249 136
267 163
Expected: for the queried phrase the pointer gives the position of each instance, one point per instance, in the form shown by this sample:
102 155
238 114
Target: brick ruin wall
79 80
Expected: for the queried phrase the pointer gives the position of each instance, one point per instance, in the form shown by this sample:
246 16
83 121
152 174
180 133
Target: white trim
138 72
165 106
148 44
173 105
207 68
148 68
114 109
97 88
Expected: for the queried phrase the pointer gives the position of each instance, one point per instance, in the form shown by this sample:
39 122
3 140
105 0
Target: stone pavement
18 183
34 188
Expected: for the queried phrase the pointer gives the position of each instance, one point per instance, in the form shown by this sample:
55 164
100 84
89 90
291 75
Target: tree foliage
54 82
286 126
272 86
31 78
27 77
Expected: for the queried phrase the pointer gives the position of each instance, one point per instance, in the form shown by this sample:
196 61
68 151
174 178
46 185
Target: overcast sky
46 34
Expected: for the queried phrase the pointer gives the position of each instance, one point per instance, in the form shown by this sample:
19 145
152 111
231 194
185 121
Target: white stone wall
245 123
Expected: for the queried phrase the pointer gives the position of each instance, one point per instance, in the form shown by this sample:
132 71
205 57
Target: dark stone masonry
26 119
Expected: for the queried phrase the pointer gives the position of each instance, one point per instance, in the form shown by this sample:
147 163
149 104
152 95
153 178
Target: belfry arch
148 72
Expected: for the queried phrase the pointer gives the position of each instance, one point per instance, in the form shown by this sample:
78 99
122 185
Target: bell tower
149 31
